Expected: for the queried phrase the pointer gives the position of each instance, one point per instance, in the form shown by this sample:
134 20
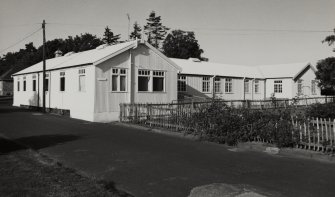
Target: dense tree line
177 44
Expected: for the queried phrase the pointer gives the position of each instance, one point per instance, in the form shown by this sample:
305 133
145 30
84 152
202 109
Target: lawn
24 172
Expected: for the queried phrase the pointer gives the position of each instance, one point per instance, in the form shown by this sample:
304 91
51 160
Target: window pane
18 86
62 84
34 85
122 83
143 83
24 85
46 84
82 83
114 83
158 84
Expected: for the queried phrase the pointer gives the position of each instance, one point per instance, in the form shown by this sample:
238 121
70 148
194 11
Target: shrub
326 110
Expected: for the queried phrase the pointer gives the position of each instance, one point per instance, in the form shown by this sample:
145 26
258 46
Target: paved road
150 164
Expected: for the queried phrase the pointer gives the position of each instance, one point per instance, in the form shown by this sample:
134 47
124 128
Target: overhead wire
27 36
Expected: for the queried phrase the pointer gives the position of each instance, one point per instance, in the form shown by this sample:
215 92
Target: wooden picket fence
316 134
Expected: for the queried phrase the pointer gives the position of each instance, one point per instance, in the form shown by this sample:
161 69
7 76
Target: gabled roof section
195 67
169 60
284 70
89 57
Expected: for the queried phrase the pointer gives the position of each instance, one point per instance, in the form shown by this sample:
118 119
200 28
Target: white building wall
80 104
287 85
306 78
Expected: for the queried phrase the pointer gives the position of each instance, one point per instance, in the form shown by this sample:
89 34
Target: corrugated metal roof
190 66
207 68
282 70
81 58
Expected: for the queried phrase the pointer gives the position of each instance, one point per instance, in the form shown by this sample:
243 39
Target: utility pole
43 78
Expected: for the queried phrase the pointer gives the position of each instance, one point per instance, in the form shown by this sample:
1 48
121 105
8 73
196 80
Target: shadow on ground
34 142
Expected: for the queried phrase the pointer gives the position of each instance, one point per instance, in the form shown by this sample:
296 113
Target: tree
330 40
136 33
326 73
109 37
155 30
182 44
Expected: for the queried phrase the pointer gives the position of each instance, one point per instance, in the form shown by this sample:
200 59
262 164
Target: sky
247 32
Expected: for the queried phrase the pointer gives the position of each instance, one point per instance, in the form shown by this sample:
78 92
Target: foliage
330 39
326 110
109 37
31 55
326 73
181 44
155 30
223 124
136 33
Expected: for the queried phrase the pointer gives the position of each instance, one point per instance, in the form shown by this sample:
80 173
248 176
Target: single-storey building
237 82
92 84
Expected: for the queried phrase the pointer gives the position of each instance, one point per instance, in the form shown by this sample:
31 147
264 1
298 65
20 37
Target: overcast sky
229 31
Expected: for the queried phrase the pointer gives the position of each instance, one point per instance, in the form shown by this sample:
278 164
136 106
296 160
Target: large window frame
278 86
143 80
257 90
206 87
82 80
34 84
46 82
217 85
62 84
24 83
181 83
299 87
246 86
18 84
313 87
119 80
228 85
158 81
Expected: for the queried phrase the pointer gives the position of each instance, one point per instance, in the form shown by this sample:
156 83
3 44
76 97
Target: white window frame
247 86
81 73
257 90
18 85
313 87
181 83
24 85
34 85
217 85
118 73
228 88
158 74
278 86
144 73
62 75
299 87
206 87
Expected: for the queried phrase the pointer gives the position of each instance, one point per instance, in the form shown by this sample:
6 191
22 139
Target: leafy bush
326 110
220 123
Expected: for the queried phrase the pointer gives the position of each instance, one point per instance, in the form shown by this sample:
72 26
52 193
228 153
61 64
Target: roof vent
58 53
69 53
102 46
194 59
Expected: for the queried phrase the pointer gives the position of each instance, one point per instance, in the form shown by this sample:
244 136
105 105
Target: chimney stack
58 53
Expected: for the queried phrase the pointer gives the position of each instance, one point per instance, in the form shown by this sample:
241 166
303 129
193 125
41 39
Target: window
143 80
181 83
256 86
217 85
205 84
228 85
246 86
34 83
158 81
46 82
278 86
119 79
299 87
24 84
18 85
62 81
82 80
313 87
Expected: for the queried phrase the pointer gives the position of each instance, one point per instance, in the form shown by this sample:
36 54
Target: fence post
309 134
305 133
121 112
318 133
